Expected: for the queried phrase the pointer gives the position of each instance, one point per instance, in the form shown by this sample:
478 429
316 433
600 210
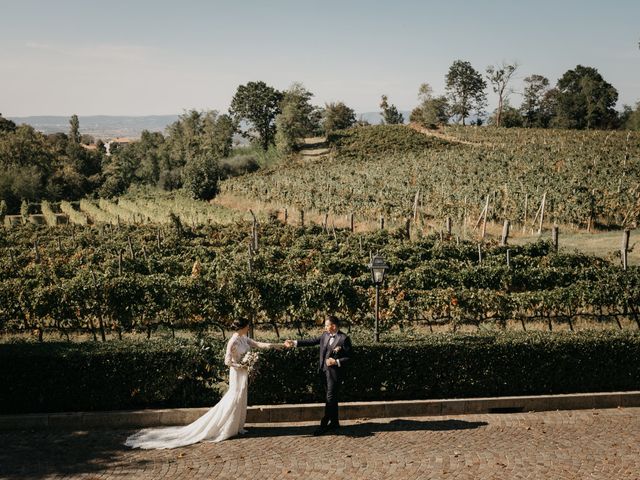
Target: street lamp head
378 269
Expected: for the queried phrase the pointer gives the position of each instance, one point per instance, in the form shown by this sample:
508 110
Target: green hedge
55 377
122 375
456 365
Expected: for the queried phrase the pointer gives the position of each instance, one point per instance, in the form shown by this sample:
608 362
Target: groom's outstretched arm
308 342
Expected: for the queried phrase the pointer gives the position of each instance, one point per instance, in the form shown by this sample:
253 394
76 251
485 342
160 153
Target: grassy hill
588 179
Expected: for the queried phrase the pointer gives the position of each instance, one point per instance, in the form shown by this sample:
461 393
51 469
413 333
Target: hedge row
57 377
170 373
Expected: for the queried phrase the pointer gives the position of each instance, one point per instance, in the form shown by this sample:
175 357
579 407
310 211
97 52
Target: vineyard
110 281
584 179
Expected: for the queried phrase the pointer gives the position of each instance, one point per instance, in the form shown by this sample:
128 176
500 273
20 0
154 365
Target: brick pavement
578 444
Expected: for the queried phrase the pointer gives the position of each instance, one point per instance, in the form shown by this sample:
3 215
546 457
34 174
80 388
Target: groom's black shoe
321 430
333 426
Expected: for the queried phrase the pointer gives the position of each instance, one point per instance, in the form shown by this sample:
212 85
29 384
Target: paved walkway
574 444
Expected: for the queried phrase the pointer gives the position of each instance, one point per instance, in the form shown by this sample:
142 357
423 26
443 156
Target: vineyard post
415 207
100 322
158 237
381 222
625 248
325 223
286 216
524 222
508 258
131 253
554 237
407 228
254 231
505 233
35 249
479 253
301 218
120 262
59 244
351 224
449 226
250 261
146 259
544 199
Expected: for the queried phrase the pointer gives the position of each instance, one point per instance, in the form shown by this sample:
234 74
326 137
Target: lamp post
378 269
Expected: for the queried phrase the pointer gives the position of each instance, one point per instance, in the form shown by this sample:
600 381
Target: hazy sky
140 57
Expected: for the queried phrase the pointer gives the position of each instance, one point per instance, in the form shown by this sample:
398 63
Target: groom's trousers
332 387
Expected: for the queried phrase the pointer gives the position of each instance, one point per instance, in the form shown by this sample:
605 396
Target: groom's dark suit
339 349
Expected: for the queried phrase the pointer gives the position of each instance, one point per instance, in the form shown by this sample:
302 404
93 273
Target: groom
335 351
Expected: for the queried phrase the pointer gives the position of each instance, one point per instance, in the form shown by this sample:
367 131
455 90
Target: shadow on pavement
27 455
359 430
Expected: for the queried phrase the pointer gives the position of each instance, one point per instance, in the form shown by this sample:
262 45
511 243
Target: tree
258 104
217 134
536 86
6 125
630 118
390 114
337 116
585 100
200 177
499 78
296 119
509 118
432 111
74 129
465 89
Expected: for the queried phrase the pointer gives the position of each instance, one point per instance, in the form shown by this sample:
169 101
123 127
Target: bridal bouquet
250 361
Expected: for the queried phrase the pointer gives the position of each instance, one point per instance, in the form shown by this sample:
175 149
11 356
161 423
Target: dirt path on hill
314 147
443 136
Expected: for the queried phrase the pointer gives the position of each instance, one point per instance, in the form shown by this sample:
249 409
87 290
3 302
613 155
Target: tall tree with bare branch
499 77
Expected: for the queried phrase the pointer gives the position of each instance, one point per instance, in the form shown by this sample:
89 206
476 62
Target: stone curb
313 411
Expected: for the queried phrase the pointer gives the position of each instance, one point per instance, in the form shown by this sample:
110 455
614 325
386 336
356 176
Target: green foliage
510 117
584 174
390 114
295 120
295 277
380 139
258 104
337 116
58 377
200 177
74 129
432 111
238 165
6 125
459 366
535 106
585 100
465 88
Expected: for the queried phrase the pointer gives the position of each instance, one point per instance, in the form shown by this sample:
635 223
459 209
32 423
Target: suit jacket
340 350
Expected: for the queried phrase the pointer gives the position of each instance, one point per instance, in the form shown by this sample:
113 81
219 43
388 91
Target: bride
223 420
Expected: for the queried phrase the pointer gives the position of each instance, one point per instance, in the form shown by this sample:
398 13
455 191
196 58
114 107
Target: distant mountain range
107 126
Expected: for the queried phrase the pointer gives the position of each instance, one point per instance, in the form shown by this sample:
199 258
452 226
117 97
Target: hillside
587 178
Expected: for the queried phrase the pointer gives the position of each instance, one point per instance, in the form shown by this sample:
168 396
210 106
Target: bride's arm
253 344
229 354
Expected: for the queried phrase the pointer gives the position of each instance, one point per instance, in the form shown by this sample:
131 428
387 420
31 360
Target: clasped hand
289 343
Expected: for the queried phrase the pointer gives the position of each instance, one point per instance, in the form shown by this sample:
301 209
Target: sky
140 57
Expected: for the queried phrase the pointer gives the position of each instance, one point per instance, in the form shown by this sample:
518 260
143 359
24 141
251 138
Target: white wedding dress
222 421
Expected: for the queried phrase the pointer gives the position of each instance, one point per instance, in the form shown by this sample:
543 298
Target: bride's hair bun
239 323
